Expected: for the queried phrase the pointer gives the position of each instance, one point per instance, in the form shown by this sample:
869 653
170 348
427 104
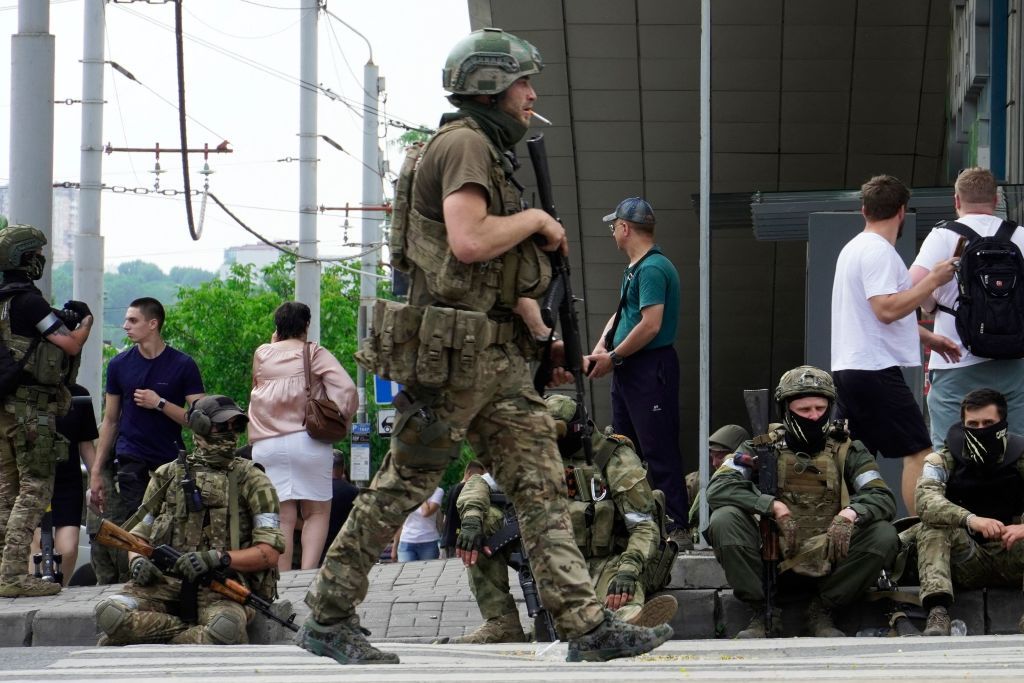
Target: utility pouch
433 357
455 278
472 335
602 530
391 347
658 572
420 440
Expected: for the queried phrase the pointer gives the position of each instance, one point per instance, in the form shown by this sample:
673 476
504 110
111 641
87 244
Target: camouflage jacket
933 507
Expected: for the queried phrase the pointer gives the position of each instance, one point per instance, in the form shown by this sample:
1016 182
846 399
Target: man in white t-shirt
418 537
975 197
875 333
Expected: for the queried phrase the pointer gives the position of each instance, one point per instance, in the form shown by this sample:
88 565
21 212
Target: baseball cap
218 408
634 210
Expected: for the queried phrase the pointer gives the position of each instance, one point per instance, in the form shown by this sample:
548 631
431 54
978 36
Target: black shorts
882 411
68 493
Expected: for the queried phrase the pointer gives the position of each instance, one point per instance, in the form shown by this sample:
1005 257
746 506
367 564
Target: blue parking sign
384 391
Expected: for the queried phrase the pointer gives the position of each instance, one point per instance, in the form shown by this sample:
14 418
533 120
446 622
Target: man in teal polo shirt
636 346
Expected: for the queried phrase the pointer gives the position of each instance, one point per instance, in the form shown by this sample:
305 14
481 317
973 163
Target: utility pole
373 195
705 260
88 261
307 270
31 160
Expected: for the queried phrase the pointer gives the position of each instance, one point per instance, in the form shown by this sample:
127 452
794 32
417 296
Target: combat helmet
487 62
805 380
15 242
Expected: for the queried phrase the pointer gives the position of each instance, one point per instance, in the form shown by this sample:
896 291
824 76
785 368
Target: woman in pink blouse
298 466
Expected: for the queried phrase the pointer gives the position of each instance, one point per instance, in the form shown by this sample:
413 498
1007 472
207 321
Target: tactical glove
788 528
79 307
143 572
623 582
838 536
195 565
471 535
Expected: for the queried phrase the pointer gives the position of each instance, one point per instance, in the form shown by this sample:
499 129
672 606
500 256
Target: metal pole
31 160
705 255
88 265
372 196
307 272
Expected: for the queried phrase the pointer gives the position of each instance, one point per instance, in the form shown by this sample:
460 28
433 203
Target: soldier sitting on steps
616 520
833 508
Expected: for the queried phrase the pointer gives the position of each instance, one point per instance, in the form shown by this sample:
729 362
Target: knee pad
226 629
111 612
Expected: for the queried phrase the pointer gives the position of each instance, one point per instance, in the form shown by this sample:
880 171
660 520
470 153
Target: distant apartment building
258 255
64 222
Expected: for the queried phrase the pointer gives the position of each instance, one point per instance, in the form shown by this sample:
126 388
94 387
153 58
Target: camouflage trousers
736 541
489 578
27 465
508 424
948 556
109 564
151 617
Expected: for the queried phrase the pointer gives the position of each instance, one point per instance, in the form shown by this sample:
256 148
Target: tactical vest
997 493
48 369
420 246
218 526
811 487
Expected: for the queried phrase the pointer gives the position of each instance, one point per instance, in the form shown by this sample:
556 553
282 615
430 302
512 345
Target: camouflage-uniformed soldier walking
462 350
36 337
844 544
230 522
970 499
615 521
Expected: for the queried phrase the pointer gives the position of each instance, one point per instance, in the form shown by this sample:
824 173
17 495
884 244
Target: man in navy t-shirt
148 389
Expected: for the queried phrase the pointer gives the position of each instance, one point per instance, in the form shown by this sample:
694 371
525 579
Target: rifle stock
559 297
758 411
165 556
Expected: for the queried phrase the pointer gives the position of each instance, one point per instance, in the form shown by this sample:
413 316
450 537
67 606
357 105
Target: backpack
989 309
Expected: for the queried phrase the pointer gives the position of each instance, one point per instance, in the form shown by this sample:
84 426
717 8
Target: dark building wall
806 95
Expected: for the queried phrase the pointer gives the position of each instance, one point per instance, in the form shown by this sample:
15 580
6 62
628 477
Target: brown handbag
323 421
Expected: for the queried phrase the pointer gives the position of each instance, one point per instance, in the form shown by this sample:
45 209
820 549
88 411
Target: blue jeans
410 552
949 385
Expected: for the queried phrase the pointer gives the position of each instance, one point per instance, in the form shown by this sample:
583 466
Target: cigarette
541 118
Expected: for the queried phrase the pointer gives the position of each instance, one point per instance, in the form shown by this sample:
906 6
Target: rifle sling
503 536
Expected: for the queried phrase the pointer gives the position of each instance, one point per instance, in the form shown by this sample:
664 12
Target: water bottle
958 628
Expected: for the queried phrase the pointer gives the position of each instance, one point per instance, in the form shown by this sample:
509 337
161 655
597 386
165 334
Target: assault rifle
518 560
559 305
47 561
758 410
164 557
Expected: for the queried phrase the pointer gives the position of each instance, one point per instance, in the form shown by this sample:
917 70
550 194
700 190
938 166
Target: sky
241 81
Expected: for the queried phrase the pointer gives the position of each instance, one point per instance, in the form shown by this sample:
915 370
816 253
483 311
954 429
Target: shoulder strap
1014 448
844 496
306 352
130 523
606 451
630 272
1005 231
960 229
5 331
234 534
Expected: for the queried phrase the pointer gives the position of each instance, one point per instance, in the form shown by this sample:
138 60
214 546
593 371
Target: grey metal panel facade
807 95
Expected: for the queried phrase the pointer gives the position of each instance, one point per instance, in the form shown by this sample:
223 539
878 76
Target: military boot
613 638
27 586
656 611
757 629
819 621
503 629
938 622
344 642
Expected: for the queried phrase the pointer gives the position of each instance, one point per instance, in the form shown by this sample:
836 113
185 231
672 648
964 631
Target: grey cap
218 408
634 210
728 438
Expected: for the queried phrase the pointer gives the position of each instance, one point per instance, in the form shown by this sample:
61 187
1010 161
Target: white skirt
298 466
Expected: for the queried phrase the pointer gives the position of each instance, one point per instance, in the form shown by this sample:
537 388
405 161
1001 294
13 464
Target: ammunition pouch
420 440
658 572
593 525
429 346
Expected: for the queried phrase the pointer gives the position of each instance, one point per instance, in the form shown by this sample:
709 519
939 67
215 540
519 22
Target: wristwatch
617 360
160 404
225 560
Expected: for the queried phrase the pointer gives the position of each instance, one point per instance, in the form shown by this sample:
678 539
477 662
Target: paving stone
64 626
695 617
1003 609
697 569
15 628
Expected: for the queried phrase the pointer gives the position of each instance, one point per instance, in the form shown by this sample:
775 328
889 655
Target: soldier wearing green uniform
833 508
970 498
462 349
227 521
615 521
40 359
